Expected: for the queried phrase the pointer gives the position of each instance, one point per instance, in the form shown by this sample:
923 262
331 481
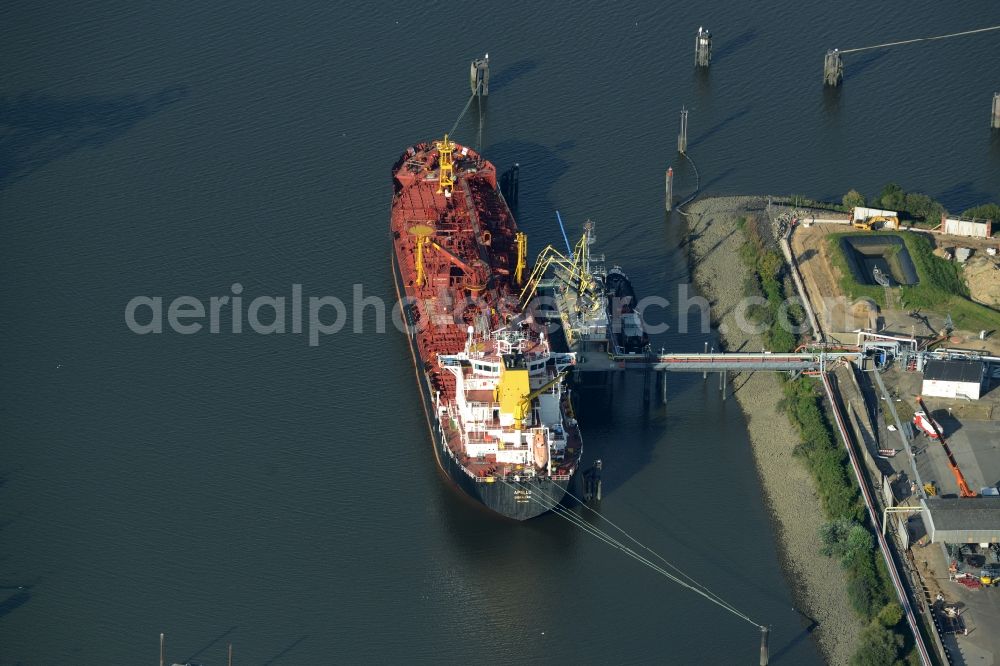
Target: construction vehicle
989 576
868 218
963 486
926 424
930 489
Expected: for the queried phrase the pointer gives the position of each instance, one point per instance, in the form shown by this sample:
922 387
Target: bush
766 266
990 211
858 546
916 205
892 197
833 535
879 647
890 615
824 458
864 587
853 198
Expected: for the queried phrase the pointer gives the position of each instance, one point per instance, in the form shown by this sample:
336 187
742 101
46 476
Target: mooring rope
719 599
600 534
645 547
461 115
922 39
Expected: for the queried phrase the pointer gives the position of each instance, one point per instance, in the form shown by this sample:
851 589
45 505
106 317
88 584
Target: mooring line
461 115
921 39
600 534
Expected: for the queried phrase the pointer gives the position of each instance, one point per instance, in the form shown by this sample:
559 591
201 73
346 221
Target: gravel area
818 582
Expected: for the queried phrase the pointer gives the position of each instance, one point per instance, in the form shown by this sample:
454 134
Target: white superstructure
510 406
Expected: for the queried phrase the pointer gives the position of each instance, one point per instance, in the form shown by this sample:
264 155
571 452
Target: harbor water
281 496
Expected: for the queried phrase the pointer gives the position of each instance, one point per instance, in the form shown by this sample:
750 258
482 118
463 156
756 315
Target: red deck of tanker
468 265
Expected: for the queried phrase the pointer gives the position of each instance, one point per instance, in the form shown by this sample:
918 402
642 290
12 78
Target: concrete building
954 379
962 519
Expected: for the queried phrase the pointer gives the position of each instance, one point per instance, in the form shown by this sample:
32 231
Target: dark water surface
254 489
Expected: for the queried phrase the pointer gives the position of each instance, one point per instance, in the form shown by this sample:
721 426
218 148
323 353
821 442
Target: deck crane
524 407
963 486
521 241
423 235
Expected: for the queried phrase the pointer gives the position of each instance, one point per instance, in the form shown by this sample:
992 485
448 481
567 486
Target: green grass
940 286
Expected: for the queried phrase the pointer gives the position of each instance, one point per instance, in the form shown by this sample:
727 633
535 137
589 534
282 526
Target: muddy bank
818 582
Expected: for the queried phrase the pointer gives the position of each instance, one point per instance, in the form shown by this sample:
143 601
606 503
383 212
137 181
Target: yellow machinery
522 256
574 271
869 222
510 391
930 489
514 395
867 218
446 172
423 234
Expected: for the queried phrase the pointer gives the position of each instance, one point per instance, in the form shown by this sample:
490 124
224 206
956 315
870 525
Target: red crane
963 487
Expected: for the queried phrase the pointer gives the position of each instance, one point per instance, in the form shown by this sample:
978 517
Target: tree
858 545
935 212
890 615
853 198
892 197
918 205
990 211
833 535
769 264
879 647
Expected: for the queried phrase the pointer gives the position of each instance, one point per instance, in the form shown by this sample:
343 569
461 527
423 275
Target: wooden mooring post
995 122
670 188
764 657
682 137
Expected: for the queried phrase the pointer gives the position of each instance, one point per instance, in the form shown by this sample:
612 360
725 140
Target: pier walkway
717 362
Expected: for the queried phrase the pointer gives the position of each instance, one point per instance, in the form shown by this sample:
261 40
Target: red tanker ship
494 393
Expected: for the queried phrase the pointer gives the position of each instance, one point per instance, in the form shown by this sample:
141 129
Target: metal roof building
954 379
962 519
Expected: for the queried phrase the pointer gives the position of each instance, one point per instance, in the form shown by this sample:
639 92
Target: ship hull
515 500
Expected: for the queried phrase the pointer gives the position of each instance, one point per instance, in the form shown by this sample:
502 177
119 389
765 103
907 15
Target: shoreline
818 583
